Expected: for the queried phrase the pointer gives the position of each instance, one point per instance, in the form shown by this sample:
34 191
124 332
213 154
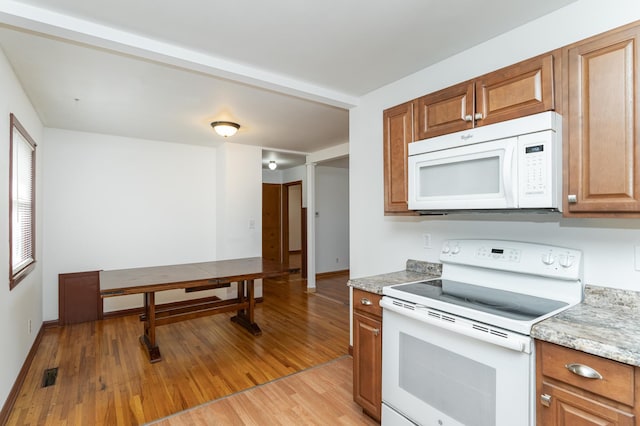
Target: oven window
458 387
466 177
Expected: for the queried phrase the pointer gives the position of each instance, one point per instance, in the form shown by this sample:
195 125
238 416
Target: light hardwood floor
105 378
317 396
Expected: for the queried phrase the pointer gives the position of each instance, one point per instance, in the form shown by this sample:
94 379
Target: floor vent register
49 377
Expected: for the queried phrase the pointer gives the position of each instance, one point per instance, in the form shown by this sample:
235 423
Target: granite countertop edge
604 324
416 270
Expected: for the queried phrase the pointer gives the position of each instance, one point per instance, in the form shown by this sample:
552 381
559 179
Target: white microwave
516 164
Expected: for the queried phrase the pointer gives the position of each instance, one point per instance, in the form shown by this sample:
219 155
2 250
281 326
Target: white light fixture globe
272 165
225 128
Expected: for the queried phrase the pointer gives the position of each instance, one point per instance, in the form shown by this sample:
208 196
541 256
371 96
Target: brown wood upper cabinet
603 158
515 91
398 133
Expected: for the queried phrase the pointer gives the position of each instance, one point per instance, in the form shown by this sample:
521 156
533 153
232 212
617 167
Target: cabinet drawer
617 381
364 301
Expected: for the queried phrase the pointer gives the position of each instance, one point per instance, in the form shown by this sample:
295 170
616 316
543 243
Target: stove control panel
515 256
499 253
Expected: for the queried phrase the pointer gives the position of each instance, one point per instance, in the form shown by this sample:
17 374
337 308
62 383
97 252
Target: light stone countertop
606 324
416 270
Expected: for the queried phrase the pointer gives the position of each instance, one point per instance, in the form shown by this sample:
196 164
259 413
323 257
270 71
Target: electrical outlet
337 260
637 257
426 241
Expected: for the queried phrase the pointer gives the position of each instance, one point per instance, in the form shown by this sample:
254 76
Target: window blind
22 199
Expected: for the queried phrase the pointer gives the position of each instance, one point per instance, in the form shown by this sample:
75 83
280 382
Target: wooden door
521 89
272 222
603 106
398 133
445 111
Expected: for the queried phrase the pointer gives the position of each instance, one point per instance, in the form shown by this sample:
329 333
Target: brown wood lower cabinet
79 297
566 398
367 352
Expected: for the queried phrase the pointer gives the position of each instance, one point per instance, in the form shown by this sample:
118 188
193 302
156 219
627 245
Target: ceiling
286 70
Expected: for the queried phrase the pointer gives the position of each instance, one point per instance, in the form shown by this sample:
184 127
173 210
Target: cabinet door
521 89
79 297
398 133
603 129
445 111
367 364
567 408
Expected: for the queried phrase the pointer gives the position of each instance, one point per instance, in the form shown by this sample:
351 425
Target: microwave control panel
535 169
539 168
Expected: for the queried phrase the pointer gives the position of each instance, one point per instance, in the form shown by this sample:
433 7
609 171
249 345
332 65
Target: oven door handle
515 342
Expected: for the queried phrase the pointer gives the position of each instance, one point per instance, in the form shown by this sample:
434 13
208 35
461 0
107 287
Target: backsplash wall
382 244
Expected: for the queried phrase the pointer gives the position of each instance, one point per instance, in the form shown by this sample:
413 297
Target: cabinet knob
584 371
545 400
572 198
365 301
478 116
468 118
376 331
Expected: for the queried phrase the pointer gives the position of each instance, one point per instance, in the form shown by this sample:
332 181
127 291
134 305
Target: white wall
114 202
24 302
272 176
292 174
332 219
382 244
239 194
239 204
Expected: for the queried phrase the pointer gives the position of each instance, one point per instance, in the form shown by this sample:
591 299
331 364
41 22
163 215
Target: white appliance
457 350
516 164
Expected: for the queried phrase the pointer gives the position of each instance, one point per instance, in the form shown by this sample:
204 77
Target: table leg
148 339
245 317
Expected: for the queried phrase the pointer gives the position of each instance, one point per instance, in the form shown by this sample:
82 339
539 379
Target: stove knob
446 249
565 260
455 250
548 259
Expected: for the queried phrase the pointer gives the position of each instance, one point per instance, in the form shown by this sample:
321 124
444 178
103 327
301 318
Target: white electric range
457 350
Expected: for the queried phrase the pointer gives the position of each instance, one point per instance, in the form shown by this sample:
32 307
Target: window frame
20 273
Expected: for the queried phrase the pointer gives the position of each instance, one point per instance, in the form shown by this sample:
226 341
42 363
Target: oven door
437 372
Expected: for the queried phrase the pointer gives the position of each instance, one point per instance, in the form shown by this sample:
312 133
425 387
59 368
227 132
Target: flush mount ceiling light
272 165
225 128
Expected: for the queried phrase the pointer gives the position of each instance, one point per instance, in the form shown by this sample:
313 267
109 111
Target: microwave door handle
509 171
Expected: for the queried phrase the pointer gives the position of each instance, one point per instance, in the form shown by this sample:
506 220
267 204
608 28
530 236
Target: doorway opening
284 236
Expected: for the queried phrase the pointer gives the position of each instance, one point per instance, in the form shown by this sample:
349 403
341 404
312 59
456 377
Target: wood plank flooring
104 376
334 287
318 396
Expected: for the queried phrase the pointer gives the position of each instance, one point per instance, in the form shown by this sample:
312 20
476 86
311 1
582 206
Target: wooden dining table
191 277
